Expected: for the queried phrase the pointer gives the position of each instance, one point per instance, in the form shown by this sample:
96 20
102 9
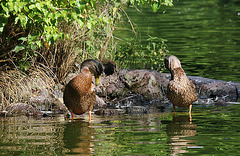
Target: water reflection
177 130
211 132
27 136
78 137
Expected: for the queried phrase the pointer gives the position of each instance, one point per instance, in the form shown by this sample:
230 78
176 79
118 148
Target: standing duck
180 91
79 95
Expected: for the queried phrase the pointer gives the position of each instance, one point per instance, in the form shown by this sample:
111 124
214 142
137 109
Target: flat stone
23 109
224 90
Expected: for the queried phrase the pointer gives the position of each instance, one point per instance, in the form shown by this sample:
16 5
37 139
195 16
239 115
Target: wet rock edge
131 92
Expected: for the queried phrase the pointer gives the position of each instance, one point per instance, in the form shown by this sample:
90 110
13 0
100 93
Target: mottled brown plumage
180 91
79 95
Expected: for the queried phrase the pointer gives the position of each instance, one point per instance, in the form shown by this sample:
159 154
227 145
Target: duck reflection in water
78 138
179 128
180 91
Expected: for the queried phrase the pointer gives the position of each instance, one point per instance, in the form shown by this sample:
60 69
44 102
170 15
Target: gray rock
143 82
225 91
111 86
100 103
48 103
23 109
144 87
109 112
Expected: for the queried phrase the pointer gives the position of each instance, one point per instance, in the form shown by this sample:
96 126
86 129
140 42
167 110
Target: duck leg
190 114
90 113
72 116
190 109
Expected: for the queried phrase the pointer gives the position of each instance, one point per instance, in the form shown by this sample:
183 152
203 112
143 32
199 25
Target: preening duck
180 91
79 95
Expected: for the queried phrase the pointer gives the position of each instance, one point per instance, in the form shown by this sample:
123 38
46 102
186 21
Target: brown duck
180 91
79 95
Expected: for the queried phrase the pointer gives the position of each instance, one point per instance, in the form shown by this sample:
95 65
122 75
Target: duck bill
97 80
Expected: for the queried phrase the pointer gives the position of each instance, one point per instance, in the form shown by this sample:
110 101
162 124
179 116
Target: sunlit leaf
19 48
155 7
23 39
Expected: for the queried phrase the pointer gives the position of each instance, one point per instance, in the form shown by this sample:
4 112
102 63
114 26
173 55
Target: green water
213 131
205 35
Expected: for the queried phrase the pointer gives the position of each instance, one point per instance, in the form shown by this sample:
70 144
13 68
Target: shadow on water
30 136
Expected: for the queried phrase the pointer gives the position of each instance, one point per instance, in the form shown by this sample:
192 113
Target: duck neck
177 73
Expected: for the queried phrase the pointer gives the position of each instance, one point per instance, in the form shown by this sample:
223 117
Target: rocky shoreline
143 91
131 92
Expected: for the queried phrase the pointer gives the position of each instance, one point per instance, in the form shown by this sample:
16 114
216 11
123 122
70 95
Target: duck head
95 68
172 62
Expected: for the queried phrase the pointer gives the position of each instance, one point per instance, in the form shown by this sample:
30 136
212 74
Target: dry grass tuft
16 86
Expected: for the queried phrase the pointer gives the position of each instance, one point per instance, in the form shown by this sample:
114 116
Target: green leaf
22 39
132 1
32 6
155 7
38 5
24 66
19 48
5 8
23 19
